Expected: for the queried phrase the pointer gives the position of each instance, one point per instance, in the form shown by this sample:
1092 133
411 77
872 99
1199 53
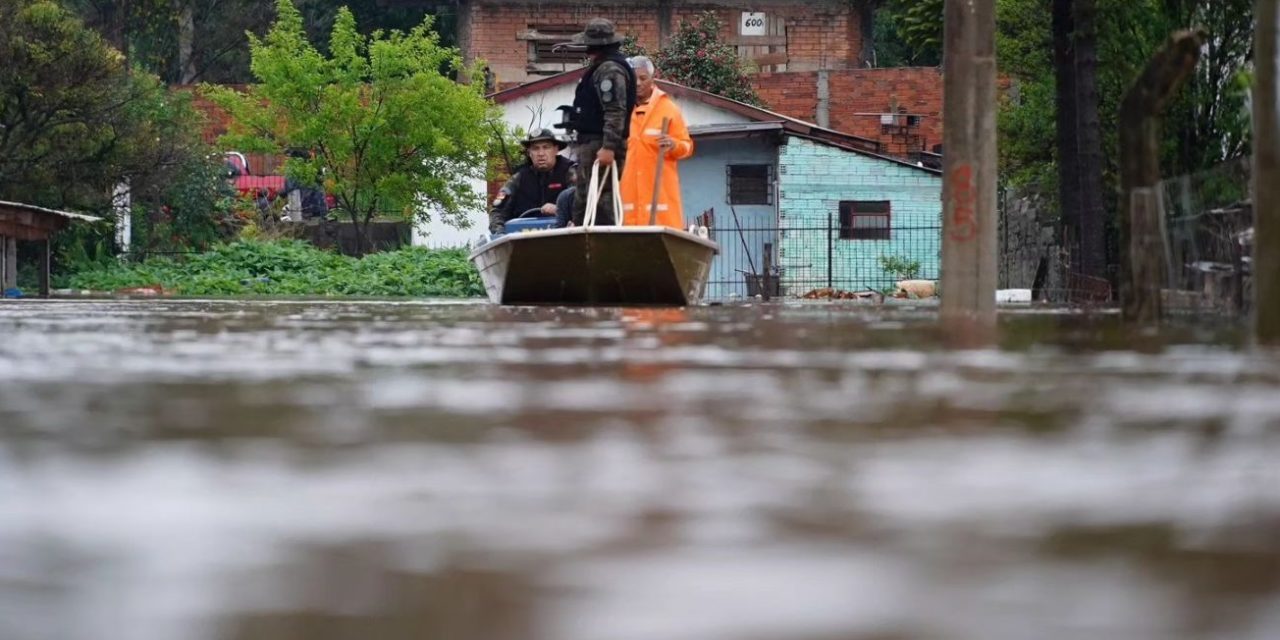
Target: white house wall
525 112
538 109
436 234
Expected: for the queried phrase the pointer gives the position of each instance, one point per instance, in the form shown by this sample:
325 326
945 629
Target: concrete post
822 115
969 163
1142 238
293 210
1266 175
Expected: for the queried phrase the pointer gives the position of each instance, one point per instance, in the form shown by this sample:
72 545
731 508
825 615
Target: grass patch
295 268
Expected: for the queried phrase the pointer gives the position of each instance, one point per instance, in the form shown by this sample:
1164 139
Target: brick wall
819 33
812 181
216 120
216 123
792 93
494 30
852 92
918 90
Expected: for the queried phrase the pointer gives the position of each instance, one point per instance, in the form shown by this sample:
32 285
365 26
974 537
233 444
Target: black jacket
528 189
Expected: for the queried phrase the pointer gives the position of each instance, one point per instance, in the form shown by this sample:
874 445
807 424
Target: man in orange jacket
647 146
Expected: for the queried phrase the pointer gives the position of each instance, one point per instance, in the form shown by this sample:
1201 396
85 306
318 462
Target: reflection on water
325 471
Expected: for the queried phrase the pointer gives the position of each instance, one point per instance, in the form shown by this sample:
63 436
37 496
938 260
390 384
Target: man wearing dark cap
536 184
601 114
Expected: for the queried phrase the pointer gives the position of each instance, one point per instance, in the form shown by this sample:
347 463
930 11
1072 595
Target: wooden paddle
657 176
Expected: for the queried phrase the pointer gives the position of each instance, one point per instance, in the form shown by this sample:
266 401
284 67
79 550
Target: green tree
73 121
61 88
695 57
909 33
189 41
386 129
75 124
1204 126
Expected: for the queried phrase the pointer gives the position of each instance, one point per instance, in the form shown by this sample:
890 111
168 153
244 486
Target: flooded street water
341 470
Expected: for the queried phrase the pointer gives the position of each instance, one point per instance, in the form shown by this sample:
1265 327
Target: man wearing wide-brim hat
601 113
536 184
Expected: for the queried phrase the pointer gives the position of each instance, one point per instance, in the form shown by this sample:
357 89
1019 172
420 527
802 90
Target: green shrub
900 267
293 267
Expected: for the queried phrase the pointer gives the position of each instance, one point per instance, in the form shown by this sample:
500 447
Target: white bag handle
593 197
618 218
596 187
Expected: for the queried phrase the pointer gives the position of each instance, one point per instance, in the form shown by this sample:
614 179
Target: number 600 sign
753 23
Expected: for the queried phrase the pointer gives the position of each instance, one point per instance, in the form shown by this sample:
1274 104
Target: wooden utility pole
1266 175
969 162
1142 241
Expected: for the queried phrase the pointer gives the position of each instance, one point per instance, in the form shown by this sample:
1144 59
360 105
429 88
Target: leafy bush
696 57
293 267
192 212
900 267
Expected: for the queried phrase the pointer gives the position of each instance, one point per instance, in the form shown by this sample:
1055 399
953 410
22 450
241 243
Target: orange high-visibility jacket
642 162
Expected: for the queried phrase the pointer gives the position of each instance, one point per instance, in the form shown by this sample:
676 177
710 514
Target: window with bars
864 220
543 37
750 183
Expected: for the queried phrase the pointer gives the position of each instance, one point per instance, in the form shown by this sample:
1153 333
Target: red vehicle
248 184
258 187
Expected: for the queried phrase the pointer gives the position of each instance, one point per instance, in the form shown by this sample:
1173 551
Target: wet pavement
335 470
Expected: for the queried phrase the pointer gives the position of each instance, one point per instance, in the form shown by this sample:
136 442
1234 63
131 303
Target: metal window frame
768 183
849 212
542 36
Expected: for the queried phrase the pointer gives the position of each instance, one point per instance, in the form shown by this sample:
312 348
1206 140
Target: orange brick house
515 36
811 56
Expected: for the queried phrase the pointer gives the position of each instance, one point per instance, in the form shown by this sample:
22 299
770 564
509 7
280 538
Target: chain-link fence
1208 232
1209 238
824 261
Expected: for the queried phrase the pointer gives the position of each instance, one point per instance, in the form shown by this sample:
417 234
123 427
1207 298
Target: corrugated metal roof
731 129
31 207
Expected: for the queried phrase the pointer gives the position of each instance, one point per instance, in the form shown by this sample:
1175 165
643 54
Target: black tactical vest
589 113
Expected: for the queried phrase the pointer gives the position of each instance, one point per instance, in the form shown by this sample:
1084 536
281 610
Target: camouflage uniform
612 82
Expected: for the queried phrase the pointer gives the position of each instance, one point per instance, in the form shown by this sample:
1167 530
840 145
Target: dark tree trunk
1067 123
115 26
364 241
1091 215
359 223
186 41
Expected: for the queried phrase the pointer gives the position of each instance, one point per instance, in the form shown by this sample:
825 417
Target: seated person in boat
565 202
650 185
536 184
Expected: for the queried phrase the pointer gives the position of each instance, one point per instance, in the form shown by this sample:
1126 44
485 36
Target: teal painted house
828 215
843 216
